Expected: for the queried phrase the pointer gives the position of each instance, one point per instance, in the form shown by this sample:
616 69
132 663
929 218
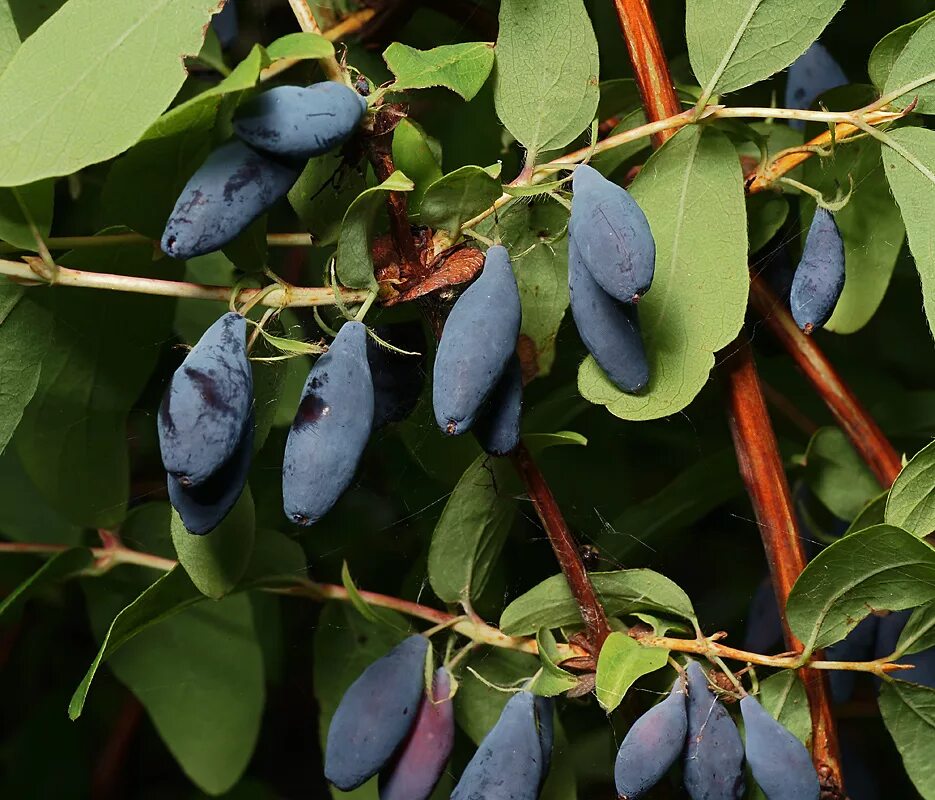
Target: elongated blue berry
331 428
610 330
652 745
812 74
819 277
203 507
234 186
497 426
780 763
613 235
300 122
508 764
419 763
476 344
206 405
712 768
375 715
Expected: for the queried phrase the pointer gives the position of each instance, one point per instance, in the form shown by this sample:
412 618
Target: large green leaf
918 633
218 560
887 50
913 186
9 36
323 193
25 336
546 89
882 567
911 501
73 439
25 515
733 43
621 663
61 566
22 205
472 530
91 101
837 475
551 604
457 197
200 677
916 65
419 157
462 67
909 715
692 193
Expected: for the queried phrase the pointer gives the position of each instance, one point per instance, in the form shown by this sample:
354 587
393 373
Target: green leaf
546 89
472 530
909 715
218 560
277 561
170 151
537 442
887 50
915 63
82 109
914 190
699 294
25 515
269 377
870 223
170 594
542 277
766 214
610 160
354 261
200 677
550 603
415 155
477 704
911 503
621 663
59 567
880 567
734 43
462 67
248 251
783 696
837 474
25 337
918 633
322 195
300 45
9 36
38 199
72 440
870 515
551 680
457 197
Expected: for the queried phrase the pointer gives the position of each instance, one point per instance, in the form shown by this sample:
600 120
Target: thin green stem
897 148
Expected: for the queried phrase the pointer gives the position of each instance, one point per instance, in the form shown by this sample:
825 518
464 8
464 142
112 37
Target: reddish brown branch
563 543
854 419
754 439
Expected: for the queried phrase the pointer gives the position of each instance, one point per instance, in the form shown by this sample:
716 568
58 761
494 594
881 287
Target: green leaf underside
551 604
621 663
911 501
542 68
552 680
837 475
462 67
887 50
919 632
915 63
457 197
909 715
734 43
79 108
692 193
882 567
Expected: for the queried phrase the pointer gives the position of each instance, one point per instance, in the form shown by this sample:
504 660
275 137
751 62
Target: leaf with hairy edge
546 89
621 663
218 560
79 108
472 530
354 260
911 502
551 679
419 157
783 696
909 715
733 43
887 50
882 567
692 193
915 65
913 185
457 197
462 67
918 633
61 566
622 592
301 45
837 475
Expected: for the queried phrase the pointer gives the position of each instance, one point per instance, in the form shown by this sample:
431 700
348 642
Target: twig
855 420
563 543
307 23
280 297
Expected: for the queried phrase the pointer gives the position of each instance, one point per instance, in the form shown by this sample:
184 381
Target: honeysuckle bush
475 116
